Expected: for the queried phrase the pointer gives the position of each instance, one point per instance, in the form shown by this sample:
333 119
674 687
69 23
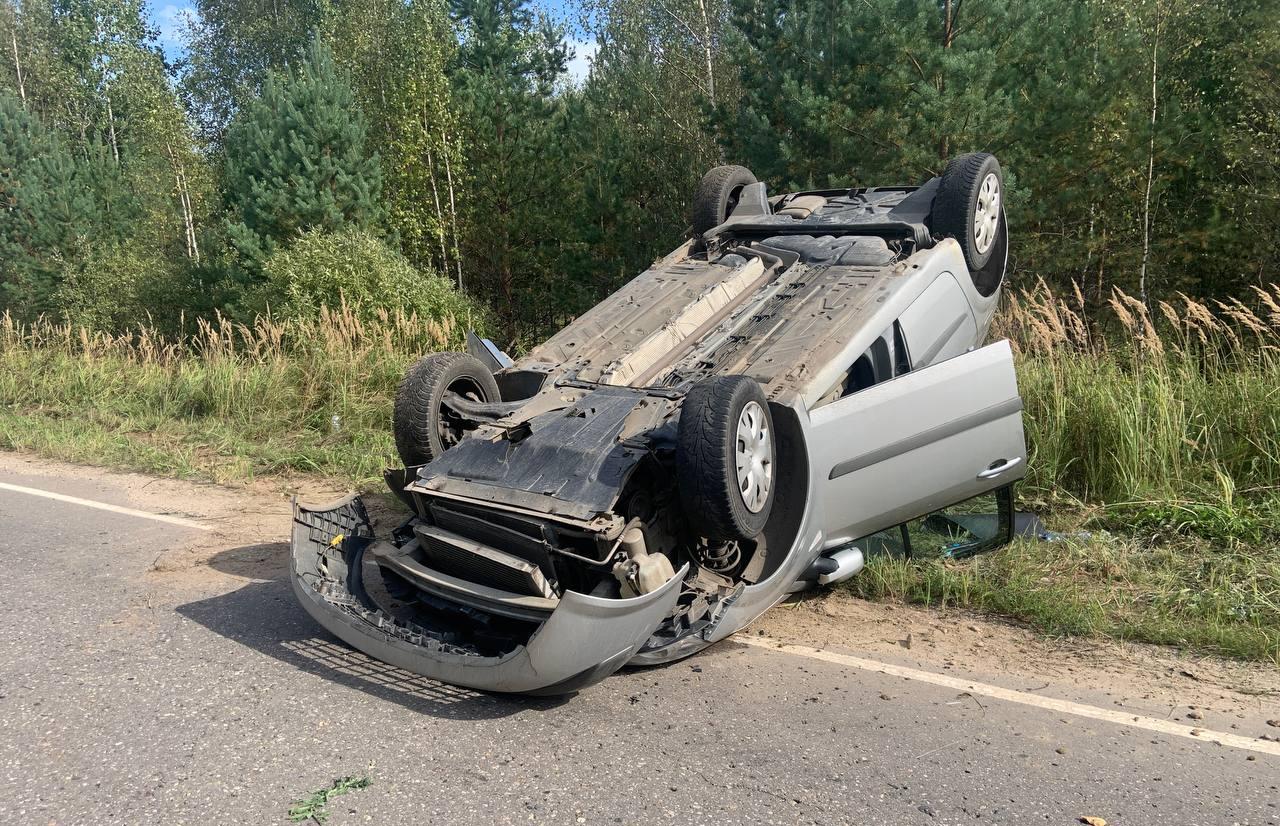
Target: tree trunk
190 218
453 207
184 203
440 222
1151 165
17 64
1088 243
111 129
948 36
1102 261
706 52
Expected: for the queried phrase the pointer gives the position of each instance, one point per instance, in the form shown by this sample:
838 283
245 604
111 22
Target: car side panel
917 443
939 324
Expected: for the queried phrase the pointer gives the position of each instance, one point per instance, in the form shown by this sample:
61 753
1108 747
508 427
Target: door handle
1000 466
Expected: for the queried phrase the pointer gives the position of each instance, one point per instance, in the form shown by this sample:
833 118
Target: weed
313 806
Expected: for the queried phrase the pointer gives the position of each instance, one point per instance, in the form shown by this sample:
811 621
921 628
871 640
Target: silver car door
917 443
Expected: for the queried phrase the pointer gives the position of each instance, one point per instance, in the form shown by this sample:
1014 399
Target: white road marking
1009 695
103 506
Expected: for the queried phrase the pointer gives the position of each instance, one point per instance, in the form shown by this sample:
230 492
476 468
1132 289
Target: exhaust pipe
848 561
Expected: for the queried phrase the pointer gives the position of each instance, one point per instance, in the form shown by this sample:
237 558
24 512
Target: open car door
917 443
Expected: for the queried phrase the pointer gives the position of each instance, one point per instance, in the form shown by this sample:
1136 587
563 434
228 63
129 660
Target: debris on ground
313 806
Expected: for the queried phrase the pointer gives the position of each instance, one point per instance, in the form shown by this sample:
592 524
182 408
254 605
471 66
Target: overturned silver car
756 413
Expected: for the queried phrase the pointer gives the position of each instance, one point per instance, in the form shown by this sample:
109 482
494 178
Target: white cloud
584 52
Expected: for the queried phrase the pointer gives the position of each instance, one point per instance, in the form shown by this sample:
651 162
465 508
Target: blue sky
169 19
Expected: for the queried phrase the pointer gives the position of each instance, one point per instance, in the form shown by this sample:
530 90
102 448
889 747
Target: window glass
974 526
883 360
901 358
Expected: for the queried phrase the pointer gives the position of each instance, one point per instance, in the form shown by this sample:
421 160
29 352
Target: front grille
519 537
466 559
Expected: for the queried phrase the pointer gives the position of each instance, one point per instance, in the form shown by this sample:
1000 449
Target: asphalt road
134 690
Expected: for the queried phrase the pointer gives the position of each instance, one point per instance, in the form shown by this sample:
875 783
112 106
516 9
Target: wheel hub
450 427
986 216
754 455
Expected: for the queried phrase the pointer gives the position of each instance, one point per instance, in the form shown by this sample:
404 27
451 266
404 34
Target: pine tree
234 44
92 72
504 88
56 205
296 161
639 137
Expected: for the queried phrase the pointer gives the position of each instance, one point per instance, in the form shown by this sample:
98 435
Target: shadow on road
265 616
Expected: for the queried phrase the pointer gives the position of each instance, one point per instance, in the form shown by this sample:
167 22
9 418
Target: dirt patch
200 566
249 544
964 642
227 508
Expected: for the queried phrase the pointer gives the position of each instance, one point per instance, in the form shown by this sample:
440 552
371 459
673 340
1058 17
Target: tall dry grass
311 395
1178 407
1154 444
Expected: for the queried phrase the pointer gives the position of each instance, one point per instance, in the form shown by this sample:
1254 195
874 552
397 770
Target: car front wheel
424 427
725 458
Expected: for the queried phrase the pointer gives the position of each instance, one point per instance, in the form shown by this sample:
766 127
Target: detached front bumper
584 640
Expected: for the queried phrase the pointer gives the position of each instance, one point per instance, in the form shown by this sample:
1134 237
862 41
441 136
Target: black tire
716 197
956 206
706 467
422 429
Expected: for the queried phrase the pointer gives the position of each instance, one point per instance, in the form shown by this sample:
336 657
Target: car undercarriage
658 473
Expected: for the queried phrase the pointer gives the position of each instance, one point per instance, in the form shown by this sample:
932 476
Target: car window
974 526
901 356
885 359
871 368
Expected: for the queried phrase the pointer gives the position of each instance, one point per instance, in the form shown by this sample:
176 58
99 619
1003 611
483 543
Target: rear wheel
969 206
717 195
424 427
725 462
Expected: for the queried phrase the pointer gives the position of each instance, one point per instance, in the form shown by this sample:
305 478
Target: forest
439 159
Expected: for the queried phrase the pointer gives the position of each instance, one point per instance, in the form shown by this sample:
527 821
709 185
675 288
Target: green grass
234 404
1167 451
1190 593
313 806
1182 427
